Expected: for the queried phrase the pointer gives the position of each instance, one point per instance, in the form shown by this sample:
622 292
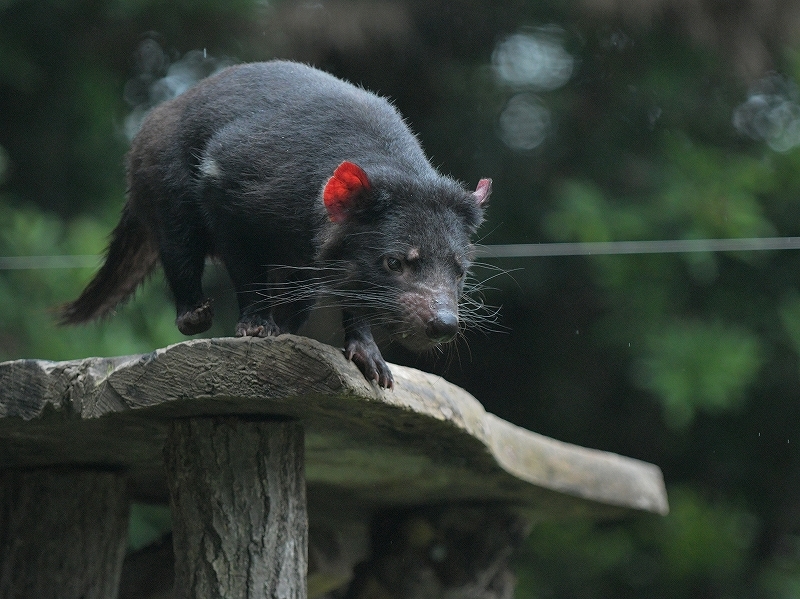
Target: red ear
482 192
342 190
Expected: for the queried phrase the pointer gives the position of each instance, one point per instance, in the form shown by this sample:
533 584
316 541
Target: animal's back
280 126
290 107
314 109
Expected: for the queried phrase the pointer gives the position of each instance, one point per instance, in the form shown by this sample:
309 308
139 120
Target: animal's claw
370 362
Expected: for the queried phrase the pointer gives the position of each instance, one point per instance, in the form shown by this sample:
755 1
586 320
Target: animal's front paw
370 362
257 326
196 320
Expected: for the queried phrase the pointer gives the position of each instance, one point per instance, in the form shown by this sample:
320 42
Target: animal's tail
130 257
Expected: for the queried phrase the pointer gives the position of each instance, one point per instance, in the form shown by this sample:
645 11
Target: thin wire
36 262
669 246
517 250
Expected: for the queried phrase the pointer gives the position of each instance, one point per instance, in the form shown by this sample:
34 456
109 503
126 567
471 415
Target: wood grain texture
62 533
427 441
237 494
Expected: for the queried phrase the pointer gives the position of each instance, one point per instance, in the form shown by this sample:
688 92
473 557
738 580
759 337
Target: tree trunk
62 533
237 493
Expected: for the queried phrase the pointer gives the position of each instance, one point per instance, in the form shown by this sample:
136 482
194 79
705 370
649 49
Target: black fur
236 167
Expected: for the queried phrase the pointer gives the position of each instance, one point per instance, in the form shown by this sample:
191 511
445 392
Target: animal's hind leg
268 302
183 267
293 298
291 316
250 280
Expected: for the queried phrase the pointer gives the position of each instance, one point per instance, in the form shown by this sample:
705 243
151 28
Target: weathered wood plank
424 442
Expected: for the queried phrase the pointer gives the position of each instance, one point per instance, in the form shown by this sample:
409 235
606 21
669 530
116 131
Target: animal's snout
443 326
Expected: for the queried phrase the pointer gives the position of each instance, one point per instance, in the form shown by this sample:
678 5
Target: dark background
598 120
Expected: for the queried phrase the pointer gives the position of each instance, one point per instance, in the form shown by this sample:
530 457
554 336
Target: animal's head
406 247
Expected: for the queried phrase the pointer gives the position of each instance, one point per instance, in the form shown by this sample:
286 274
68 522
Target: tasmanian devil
301 184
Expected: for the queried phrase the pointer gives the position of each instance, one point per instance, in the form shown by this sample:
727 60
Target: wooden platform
424 442
262 424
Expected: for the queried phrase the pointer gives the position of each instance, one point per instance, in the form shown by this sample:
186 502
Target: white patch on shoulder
210 168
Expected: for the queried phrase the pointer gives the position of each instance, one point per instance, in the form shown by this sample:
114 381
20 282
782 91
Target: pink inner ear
482 192
343 189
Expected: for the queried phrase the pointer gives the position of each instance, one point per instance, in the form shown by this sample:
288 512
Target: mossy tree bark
237 494
62 533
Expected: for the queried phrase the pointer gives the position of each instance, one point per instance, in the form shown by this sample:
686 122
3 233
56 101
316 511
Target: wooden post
238 500
62 533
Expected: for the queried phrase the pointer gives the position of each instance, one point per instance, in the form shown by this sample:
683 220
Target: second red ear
343 189
482 192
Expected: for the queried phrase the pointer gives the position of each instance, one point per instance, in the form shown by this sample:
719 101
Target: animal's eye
393 264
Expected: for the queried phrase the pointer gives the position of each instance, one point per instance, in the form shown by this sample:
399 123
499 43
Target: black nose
443 326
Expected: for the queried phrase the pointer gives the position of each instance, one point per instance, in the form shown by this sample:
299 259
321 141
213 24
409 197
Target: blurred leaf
700 538
694 366
712 192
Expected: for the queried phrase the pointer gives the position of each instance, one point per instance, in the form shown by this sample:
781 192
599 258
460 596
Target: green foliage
695 366
691 357
649 557
712 192
28 296
694 524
